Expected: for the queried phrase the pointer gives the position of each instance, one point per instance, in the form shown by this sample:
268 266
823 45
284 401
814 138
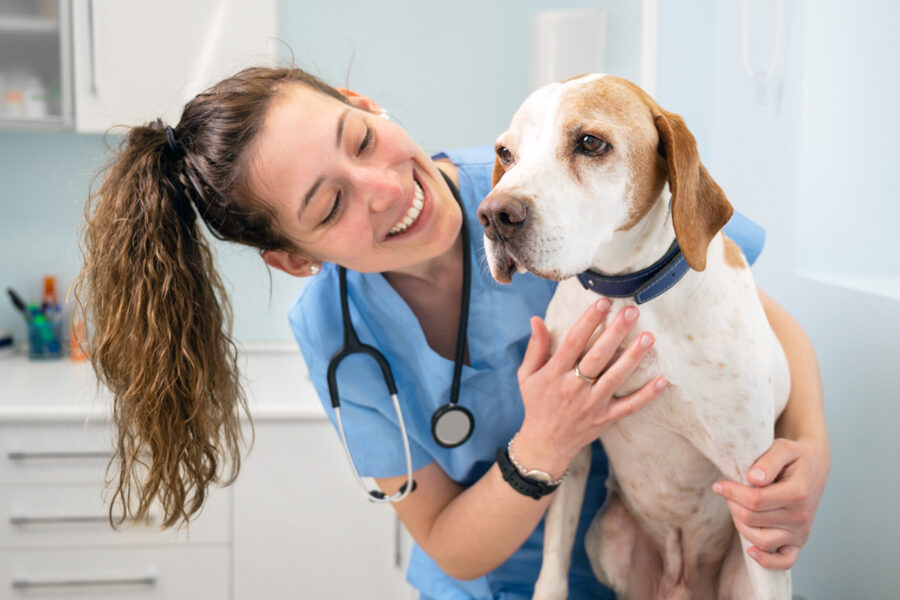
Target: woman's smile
412 214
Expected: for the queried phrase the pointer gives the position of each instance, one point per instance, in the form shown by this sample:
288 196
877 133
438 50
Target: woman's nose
382 185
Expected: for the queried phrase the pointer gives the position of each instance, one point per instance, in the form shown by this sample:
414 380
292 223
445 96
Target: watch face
539 476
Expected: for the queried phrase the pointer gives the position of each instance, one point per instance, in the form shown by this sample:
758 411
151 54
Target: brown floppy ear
699 206
498 172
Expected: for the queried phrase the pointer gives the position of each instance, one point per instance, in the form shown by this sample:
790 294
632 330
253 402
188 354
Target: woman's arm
471 531
777 512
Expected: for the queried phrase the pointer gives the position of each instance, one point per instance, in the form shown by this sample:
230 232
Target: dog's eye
505 156
592 145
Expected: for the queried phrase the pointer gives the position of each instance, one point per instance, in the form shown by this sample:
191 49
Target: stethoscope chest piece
451 425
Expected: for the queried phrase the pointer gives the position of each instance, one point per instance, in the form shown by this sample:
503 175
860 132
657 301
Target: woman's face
349 186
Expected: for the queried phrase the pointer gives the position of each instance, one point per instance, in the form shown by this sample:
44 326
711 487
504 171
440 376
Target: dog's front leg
560 525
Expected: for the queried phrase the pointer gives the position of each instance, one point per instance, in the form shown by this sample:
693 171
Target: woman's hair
157 313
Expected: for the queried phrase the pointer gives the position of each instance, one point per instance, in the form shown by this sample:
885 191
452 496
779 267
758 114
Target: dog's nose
502 217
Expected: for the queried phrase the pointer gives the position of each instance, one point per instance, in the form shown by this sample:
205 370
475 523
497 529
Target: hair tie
173 143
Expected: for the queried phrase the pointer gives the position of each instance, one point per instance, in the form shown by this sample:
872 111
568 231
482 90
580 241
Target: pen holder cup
45 340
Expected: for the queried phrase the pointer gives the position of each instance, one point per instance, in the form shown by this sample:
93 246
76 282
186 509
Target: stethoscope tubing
352 345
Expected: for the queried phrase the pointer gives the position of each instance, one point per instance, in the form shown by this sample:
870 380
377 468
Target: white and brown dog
593 176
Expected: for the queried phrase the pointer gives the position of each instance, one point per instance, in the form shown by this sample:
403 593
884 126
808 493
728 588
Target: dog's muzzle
503 218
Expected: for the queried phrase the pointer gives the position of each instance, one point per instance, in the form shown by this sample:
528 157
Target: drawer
54 452
69 515
199 572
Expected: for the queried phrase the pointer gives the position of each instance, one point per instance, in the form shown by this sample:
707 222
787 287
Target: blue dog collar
643 286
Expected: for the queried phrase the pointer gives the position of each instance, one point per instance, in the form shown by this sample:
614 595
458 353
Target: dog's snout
502 217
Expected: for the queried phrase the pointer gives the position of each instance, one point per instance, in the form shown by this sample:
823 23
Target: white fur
728 376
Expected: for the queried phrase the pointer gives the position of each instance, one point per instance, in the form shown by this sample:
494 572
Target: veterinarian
318 178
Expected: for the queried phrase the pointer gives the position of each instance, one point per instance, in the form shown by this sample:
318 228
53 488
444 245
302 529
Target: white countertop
275 376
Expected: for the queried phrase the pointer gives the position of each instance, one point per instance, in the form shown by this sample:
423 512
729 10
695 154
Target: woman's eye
590 144
334 210
505 156
365 141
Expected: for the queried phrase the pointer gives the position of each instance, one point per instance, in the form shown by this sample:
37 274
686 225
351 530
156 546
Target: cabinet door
135 60
302 527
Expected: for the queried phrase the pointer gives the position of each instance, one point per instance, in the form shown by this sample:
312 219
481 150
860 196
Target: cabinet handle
22 583
91 49
19 455
24 520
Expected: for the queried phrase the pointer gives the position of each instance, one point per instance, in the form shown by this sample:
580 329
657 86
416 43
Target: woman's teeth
412 214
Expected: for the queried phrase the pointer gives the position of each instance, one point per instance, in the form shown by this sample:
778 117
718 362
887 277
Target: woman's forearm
804 416
503 518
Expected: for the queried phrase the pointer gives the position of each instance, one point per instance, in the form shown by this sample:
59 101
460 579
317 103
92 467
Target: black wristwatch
524 485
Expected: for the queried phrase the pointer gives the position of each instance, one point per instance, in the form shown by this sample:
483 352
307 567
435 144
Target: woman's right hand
563 413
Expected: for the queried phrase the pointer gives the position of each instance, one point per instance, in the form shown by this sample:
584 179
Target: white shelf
31 123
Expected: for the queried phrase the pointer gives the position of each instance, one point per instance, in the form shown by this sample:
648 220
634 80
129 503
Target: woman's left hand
775 513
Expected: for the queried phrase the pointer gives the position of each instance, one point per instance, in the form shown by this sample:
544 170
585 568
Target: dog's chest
713 350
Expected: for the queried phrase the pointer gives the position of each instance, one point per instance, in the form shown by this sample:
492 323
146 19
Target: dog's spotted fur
662 533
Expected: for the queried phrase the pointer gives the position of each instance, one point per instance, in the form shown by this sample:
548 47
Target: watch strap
523 485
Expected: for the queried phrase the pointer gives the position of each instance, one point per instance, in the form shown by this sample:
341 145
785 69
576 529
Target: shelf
49 123
28 25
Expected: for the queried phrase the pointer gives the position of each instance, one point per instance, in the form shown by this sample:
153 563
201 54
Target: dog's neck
639 247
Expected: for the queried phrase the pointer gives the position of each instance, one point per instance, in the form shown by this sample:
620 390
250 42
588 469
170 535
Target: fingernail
646 339
631 313
753 552
757 475
603 304
661 383
717 488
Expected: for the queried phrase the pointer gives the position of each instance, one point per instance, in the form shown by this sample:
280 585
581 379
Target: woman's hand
564 413
777 515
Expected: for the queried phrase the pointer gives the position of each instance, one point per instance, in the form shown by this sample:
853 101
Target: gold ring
590 380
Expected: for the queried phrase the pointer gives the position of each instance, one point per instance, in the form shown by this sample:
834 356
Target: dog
593 177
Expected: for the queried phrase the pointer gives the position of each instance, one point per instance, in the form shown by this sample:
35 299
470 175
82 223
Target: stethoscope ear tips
452 425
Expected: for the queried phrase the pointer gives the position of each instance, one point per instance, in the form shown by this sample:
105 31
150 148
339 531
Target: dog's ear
498 172
699 206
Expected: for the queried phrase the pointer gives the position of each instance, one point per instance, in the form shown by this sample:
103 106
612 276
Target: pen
19 304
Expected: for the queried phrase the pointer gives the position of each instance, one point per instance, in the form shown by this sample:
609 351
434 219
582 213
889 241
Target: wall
451 73
816 161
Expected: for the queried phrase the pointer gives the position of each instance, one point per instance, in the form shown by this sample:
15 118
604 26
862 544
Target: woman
315 177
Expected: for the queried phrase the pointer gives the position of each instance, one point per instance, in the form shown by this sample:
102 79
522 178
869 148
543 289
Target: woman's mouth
412 214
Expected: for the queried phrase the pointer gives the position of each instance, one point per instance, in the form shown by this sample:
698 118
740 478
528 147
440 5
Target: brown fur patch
498 172
699 207
733 255
609 109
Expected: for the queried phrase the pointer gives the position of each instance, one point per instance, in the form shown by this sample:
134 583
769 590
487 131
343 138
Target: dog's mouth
505 261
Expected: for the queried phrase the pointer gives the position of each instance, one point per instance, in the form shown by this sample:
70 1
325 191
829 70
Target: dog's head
582 160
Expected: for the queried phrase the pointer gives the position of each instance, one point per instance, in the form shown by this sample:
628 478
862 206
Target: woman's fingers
622 369
604 347
628 405
572 346
536 351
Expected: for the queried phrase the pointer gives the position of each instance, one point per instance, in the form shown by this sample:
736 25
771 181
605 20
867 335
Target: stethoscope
451 424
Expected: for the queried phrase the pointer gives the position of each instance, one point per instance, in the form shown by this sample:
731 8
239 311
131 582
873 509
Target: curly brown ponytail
159 319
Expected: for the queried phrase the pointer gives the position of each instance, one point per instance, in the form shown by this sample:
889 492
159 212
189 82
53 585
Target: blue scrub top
498 332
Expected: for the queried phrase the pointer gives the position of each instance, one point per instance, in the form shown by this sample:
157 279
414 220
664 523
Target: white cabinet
55 538
35 65
302 525
135 60
294 525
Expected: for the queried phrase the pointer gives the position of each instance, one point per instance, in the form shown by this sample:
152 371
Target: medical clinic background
793 104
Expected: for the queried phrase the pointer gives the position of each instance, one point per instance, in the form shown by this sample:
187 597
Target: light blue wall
815 168
451 73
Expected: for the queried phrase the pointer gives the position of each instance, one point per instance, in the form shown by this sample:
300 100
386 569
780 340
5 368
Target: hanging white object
767 83
565 43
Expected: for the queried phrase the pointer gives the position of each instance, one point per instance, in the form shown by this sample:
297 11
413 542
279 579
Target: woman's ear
291 263
359 101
